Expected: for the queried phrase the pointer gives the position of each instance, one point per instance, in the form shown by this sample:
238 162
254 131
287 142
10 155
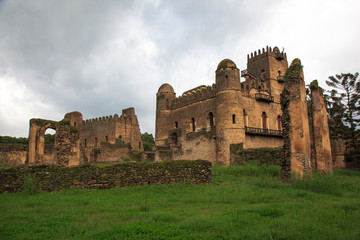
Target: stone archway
37 131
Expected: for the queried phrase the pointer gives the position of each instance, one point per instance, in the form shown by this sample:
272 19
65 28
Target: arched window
245 118
139 145
193 124
106 138
279 122
263 120
120 137
74 124
95 141
234 118
211 119
176 125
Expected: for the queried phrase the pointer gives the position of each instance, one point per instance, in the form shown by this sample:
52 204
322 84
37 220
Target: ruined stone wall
338 153
128 128
98 130
12 154
322 156
295 124
119 175
108 152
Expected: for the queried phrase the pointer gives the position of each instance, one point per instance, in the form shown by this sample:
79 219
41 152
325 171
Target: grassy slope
248 203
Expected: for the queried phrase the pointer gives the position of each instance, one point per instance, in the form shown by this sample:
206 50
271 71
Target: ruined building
208 121
77 141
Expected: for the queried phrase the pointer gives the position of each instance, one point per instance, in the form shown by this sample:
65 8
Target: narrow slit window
211 119
193 124
233 118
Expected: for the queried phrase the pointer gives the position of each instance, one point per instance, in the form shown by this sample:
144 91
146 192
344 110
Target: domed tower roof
165 88
226 63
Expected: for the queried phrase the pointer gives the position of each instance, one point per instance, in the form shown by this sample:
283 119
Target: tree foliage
343 105
148 141
7 139
49 138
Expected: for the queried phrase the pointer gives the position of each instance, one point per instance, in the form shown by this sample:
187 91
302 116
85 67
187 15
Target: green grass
246 202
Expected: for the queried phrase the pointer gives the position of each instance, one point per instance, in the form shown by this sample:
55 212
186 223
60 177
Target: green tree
343 104
49 138
148 141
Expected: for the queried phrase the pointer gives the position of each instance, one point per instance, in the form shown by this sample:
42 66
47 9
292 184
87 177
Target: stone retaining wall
119 175
269 156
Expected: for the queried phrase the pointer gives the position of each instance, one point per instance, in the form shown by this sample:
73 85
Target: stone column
295 124
321 134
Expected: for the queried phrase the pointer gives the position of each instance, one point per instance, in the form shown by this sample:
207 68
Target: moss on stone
294 70
73 129
65 121
43 122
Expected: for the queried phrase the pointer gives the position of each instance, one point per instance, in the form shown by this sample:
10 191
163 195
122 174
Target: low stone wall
270 156
119 175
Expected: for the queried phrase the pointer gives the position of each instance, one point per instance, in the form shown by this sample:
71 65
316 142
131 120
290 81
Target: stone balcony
263 132
264 97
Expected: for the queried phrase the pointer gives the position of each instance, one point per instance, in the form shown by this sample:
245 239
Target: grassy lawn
247 202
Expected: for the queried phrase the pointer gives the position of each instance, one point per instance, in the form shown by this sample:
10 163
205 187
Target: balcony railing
281 79
263 132
264 97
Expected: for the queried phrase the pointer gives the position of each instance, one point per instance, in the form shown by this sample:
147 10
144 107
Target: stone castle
266 109
208 121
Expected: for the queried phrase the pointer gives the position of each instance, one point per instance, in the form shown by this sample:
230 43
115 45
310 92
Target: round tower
164 99
75 118
229 124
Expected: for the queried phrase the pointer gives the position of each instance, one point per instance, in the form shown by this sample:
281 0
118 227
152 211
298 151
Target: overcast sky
99 57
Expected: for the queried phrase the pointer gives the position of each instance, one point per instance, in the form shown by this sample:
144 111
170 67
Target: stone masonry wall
120 175
322 157
270 156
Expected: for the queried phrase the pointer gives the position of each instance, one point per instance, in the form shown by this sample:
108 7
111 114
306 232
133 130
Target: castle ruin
77 141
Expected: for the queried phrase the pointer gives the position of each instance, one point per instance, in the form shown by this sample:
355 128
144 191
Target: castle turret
268 65
164 99
229 128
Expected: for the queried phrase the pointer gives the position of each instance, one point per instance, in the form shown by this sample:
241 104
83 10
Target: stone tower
268 65
228 109
164 97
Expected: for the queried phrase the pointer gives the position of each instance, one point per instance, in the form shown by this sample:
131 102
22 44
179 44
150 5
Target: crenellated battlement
197 94
275 52
103 119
